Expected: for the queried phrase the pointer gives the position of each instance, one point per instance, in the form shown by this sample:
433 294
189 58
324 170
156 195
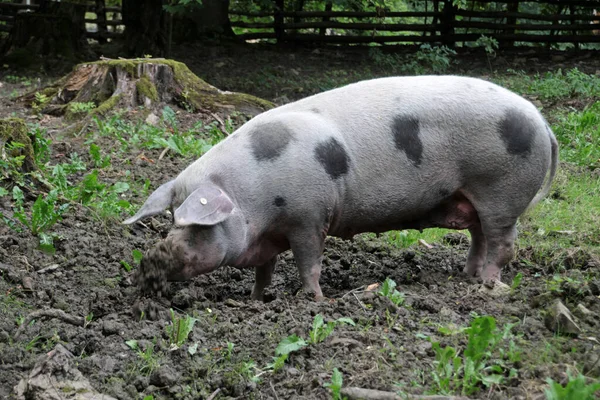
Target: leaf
492 379
290 344
120 187
133 344
137 256
47 243
3 192
346 320
193 349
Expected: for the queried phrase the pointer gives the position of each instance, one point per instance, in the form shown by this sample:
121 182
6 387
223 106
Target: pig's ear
158 201
207 205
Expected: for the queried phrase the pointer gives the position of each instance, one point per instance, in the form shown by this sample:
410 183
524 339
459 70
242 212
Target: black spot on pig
406 137
444 193
333 157
270 140
315 110
516 130
279 201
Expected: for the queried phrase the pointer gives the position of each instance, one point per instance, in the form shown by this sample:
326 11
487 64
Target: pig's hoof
472 270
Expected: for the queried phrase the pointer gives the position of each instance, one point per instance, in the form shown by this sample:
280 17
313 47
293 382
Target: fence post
101 21
328 8
447 21
278 17
511 8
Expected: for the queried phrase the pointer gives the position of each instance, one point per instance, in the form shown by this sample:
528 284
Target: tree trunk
105 85
55 31
209 20
145 28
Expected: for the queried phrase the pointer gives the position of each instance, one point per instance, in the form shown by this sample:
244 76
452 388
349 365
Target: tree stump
127 83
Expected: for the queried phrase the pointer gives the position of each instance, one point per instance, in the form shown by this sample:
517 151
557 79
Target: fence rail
570 22
96 28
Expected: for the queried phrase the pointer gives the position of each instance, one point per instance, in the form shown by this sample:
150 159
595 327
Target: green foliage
489 44
179 329
181 6
81 108
148 357
137 256
554 85
40 102
193 142
337 381
578 133
322 330
96 156
388 289
465 374
516 281
45 212
290 344
575 389
41 145
434 59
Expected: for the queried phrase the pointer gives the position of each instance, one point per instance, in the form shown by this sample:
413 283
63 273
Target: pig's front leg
307 247
263 275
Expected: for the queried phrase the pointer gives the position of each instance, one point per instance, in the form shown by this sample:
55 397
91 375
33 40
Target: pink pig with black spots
377 155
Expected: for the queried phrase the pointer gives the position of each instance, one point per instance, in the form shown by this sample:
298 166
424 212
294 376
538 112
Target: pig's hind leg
307 247
263 274
477 252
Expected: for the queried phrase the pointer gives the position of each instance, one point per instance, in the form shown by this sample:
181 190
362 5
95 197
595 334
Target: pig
377 155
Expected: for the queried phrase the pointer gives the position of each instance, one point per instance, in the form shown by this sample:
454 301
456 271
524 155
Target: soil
385 350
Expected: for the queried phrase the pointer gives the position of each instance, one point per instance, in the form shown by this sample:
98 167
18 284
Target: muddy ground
387 349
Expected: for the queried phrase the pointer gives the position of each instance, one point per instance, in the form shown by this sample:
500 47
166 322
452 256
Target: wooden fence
102 22
569 21
572 21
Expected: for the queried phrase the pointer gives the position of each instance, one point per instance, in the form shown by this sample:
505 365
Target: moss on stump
13 131
147 82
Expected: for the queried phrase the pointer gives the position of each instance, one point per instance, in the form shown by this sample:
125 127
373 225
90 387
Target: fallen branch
52 313
355 393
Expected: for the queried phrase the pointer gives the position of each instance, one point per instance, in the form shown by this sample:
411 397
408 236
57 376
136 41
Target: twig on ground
214 394
360 302
51 313
163 153
371 394
273 389
357 290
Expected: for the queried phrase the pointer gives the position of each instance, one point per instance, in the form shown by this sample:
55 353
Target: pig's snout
159 265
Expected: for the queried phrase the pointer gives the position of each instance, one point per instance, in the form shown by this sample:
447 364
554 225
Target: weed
96 156
321 331
149 359
388 289
490 45
137 256
40 102
516 282
575 389
45 212
290 344
335 385
179 329
454 373
76 107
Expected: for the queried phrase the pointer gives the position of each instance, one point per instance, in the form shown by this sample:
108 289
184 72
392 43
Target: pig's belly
455 212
